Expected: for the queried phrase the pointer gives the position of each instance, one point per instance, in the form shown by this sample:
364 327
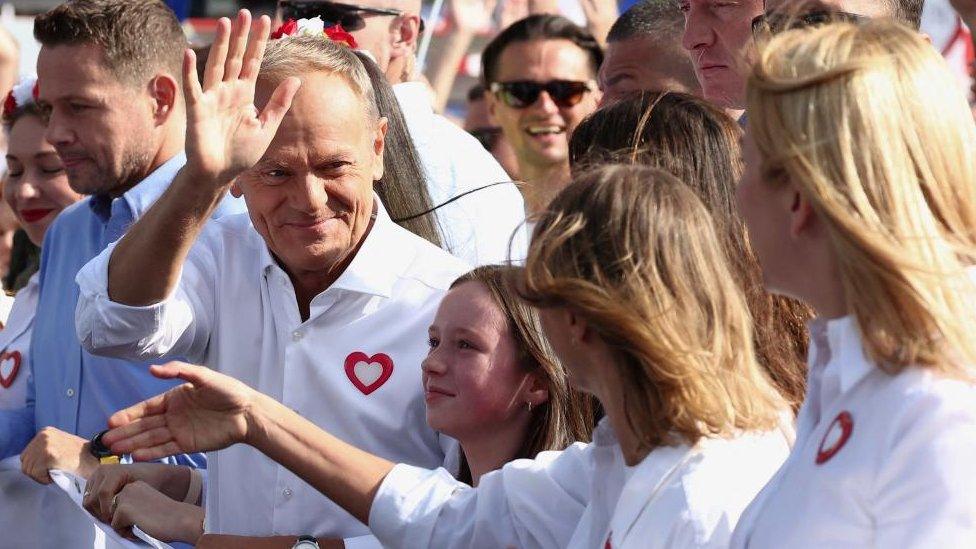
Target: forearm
343 473
444 73
145 265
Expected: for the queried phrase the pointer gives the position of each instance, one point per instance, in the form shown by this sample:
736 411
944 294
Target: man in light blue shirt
110 84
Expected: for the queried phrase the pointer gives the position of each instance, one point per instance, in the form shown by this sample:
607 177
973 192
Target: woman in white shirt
636 297
860 197
36 189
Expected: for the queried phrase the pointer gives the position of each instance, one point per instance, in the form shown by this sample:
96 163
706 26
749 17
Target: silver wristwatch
306 542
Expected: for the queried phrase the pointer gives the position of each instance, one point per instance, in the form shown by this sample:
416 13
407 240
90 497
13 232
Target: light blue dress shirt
69 388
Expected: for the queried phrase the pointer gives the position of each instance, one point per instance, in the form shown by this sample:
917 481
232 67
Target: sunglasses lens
520 94
566 94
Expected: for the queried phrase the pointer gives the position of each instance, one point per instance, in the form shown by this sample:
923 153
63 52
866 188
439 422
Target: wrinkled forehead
73 70
866 8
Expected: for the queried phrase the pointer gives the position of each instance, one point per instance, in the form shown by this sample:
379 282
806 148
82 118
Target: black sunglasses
350 16
522 93
487 136
768 24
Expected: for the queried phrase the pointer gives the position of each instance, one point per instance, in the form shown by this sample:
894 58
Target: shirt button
296 336
287 493
70 393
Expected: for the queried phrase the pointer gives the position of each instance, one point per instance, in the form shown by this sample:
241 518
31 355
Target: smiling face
36 188
718 36
311 194
539 133
472 378
103 129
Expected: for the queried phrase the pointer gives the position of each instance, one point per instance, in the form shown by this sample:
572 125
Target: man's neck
171 146
542 184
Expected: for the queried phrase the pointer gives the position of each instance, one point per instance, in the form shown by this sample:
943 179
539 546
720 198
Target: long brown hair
635 253
699 144
567 416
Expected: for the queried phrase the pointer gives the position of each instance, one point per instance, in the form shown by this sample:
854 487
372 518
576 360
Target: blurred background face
101 128
539 133
472 381
718 35
311 195
37 187
479 122
640 64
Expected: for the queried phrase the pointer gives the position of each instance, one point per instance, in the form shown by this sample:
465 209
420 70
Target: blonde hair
871 126
635 253
300 55
568 415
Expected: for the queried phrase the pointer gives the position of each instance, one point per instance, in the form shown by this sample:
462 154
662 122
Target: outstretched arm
225 136
213 411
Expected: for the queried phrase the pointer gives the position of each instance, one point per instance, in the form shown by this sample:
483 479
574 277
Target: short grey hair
300 55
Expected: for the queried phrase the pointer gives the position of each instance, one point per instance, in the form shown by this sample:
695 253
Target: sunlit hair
299 55
634 252
567 416
699 145
871 126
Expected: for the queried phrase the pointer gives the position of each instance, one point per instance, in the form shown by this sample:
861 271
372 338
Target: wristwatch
98 449
306 542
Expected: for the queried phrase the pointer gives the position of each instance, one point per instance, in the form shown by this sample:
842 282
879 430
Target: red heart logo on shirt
9 366
368 373
836 437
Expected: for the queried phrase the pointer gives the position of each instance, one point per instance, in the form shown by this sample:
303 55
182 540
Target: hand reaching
225 133
209 412
600 16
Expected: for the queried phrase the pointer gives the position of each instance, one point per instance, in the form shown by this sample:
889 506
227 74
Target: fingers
154 406
238 43
124 439
157 452
279 103
214 71
255 50
191 83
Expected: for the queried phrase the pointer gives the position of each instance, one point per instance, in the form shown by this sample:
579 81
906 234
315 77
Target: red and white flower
24 93
314 27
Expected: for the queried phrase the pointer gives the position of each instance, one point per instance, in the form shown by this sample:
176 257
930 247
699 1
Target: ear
536 391
165 93
802 214
405 35
235 189
379 142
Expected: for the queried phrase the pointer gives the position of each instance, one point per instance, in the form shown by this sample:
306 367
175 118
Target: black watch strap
98 449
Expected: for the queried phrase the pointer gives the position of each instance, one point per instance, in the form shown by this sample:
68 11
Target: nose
433 365
310 196
58 133
698 29
545 103
20 190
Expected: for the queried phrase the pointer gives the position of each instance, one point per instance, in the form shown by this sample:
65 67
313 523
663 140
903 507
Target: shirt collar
848 360
140 197
378 262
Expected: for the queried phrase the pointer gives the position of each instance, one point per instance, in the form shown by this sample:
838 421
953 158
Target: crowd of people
700 275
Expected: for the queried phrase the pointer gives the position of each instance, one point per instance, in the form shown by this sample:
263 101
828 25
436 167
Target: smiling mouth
550 129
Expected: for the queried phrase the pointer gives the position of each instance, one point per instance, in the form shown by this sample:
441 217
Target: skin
790 241
543 159
109 134
867 8
37 187
479 116
476 391
718 35
641 64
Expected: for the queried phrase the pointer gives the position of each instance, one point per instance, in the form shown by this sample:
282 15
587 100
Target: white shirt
583 497
235 310
15 340
482 226
900 474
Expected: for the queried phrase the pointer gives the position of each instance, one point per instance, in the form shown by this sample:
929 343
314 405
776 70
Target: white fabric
235 310
15 343
480 226
676 497
903 478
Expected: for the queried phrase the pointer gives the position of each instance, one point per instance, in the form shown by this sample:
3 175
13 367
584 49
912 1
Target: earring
530 406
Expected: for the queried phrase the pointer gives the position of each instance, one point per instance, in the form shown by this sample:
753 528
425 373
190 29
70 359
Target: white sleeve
178 326
529 503
926 494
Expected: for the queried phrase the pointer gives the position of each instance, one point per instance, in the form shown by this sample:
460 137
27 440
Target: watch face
305 544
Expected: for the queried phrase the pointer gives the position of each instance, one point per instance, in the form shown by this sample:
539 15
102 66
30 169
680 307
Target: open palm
225 133
208 413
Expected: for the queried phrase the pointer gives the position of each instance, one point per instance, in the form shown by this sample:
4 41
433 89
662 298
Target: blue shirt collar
139 198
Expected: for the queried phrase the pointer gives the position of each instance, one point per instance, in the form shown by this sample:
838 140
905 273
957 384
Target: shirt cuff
362 542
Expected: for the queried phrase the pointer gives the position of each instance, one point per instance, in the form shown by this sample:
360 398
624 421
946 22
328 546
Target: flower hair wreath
315 27
23 94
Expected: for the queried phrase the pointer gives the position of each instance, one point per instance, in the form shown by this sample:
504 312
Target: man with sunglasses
486 224
541 74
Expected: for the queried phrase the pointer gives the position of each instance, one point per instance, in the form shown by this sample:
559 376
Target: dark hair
25 260
538 27
657 19
699 144
568 415
138 37
403 188
908 12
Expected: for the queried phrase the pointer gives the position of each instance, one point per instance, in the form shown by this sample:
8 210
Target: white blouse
583 497
880 460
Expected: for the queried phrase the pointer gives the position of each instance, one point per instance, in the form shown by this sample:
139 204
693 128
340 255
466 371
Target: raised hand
209 412
600 16
225 133
472 16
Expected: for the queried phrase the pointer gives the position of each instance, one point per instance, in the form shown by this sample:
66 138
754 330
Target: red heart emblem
9 366
368 373
836 437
